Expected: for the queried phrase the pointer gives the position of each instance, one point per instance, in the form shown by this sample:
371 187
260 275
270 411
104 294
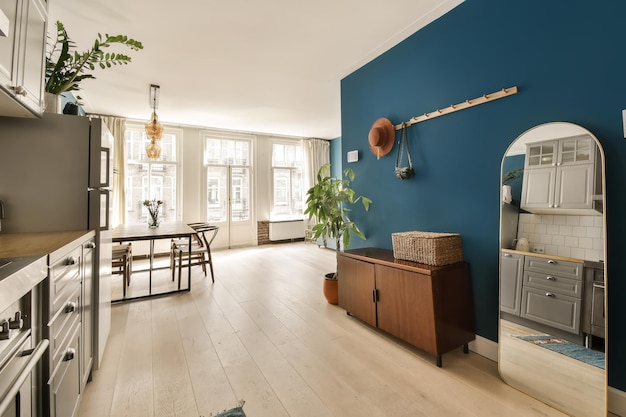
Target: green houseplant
66 68
328 203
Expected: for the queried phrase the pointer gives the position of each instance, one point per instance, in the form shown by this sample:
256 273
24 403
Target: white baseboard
617 401
489 349
484 347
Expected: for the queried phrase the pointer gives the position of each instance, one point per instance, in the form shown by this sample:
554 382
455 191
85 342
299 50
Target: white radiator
286 230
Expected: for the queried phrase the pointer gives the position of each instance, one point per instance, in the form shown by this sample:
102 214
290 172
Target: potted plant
66 68
328 204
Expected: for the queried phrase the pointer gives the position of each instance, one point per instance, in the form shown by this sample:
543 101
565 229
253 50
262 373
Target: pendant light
154 129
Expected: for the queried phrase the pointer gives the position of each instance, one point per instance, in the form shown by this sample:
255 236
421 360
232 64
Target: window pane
217 199
240 194
148 179
287 179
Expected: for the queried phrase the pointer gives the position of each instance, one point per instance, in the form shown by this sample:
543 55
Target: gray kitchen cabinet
22 58
511 275
561 175
68 319
552 293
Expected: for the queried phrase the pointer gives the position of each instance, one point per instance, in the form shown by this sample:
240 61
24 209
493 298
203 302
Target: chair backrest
205 229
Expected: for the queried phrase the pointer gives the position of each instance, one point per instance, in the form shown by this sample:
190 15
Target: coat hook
504 90
468 101
452 106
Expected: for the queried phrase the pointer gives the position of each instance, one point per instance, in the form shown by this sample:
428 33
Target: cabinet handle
507 255
69 355
70 307
70 261
374 295
552 262
90 245
549 294
19 90
549 278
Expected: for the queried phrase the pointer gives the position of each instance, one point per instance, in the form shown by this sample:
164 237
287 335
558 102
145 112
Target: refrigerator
56 174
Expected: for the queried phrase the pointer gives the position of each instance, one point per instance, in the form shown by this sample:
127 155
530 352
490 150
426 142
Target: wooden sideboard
430 307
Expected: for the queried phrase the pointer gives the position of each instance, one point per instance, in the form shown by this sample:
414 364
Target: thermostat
353 156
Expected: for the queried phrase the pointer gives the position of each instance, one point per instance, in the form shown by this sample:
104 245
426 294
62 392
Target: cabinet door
511 273
541 154
9 45
538 190
405 306
356 288
574 186
32 59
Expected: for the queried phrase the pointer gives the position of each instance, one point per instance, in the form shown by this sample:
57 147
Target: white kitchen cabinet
561 175
22 58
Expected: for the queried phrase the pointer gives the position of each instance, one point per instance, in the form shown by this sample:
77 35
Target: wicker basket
428 247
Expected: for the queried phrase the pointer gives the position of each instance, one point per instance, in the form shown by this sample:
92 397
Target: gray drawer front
564 269
559 311
553 283
65 383
64 276
63 325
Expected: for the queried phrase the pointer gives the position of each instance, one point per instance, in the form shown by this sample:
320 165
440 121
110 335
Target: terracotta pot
331 291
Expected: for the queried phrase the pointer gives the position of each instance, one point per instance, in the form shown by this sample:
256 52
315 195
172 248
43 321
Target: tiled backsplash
571 236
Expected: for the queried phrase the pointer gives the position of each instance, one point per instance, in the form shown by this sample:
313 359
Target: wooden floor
263 333
568 384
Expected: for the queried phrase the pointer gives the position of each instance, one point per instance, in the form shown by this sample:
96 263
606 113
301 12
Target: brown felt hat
381 137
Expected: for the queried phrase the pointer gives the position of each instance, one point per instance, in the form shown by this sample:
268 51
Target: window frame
272 168
173 197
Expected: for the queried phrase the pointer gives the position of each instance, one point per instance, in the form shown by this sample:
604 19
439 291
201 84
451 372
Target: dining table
142 232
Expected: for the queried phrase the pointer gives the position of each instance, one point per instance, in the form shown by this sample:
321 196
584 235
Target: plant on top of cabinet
66 68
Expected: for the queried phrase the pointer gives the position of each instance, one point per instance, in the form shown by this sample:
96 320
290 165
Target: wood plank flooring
263 333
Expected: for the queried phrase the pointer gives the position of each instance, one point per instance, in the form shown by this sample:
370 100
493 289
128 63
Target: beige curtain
117 126
317 154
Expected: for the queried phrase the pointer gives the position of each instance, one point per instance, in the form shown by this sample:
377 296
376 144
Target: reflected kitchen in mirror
552 271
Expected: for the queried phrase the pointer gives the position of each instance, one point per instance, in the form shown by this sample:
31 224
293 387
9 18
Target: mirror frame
535 386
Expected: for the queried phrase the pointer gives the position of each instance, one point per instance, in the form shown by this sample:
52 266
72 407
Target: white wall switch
352 156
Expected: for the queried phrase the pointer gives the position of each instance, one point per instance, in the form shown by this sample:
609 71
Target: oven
20 378
21 344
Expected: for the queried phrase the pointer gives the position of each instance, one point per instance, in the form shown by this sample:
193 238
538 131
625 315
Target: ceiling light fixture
154 129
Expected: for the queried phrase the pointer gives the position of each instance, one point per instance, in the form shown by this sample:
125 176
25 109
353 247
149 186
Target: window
287 181
148 179
228 177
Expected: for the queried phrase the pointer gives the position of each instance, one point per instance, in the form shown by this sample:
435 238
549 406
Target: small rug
233 412
573 350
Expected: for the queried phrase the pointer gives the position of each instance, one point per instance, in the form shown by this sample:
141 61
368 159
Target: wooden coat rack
460 106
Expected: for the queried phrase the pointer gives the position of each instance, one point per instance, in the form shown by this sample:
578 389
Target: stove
21 344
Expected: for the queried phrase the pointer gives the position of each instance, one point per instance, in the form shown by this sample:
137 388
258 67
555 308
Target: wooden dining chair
122 263
200 250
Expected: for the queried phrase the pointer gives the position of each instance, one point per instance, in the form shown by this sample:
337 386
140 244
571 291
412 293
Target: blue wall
568 60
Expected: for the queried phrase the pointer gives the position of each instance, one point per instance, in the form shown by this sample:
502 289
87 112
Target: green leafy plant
327 202
66 68
512 175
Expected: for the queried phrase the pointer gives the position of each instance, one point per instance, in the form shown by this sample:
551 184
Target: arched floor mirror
552 335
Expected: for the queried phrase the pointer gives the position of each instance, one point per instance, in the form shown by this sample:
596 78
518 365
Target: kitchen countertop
14 245
543 255
24 259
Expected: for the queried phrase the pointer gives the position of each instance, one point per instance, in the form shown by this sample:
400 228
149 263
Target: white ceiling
271 66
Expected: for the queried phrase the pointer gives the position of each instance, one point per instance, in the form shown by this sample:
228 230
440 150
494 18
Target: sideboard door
357 283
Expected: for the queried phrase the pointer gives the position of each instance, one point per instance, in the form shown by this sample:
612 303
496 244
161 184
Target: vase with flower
153 207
